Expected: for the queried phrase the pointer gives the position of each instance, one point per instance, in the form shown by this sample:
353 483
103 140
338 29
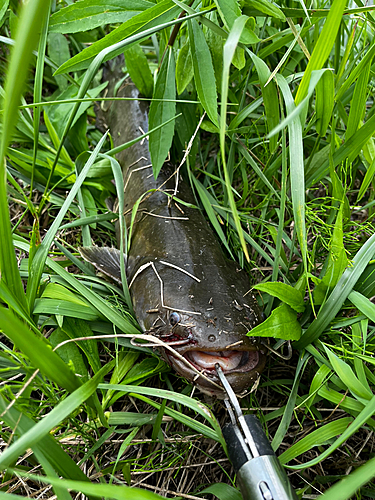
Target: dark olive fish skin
210 308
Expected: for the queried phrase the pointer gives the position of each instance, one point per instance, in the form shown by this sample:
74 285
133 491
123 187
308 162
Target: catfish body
183 288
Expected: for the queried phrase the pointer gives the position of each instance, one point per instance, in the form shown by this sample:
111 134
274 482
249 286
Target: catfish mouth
242 368
229 361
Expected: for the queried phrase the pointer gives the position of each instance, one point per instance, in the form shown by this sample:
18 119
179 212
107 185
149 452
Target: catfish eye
174 318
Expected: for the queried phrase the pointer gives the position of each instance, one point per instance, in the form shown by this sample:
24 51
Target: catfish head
196 343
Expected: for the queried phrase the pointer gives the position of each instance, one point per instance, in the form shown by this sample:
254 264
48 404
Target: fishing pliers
259 472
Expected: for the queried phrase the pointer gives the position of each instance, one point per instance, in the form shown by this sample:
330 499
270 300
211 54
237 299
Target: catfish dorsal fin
105 259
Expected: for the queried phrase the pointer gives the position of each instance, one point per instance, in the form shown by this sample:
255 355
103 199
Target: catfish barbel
184 290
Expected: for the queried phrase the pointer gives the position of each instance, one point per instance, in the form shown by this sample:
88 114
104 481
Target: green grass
283 165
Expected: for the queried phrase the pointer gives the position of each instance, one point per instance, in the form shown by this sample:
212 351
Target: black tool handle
261 477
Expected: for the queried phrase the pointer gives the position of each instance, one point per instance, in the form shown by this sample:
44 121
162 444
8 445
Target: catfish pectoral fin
105 259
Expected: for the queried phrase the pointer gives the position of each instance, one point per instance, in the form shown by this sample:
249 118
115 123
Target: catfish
184 289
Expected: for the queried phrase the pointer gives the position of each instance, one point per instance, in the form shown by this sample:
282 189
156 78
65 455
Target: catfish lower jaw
229 361
242 368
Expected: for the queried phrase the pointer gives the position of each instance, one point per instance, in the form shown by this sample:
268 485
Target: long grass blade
365 414
54 417
317 438
323 46
297 174
339 294
115 492
31 20
42 252
61 461
38 350
229 49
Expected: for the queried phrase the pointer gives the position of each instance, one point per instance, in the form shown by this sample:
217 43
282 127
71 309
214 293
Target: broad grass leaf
88 14
58 292
366 282
324 103
270 97
77 328
60 493
268 8
222 491
316 438
297 174
347 376
300 110
128 144
360 367
229 11
69 353
204 75
215 43
358 103
61 461
38 350
284 292
339 294
130 418
58 51
51 420
363 304
115 492
323 46
3 8
186 125
153 17
14 303
369 176
162 111
347 403
139 70
184 68
282 324
88 206
214 431
64 308
358 422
